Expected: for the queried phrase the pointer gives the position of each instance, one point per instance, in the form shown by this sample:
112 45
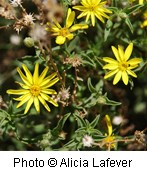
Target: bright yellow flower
35 88
122 66
93 8
144 24
109 138
141 1
65 32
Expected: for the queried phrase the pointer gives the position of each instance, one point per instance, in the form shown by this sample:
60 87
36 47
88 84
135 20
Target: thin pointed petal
128 51
23 77
28 73
131 73
110 66
24 100
42 76
109 125
70 18
121 52
111 73
134 61
30 102
49 99
36 103
17 92
117 77
44 103
36 74
110 60
115 51
125 77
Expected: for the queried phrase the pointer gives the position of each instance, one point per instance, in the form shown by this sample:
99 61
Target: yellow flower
65 32
144 24
141 1
109 138
122 66
35 88
93 8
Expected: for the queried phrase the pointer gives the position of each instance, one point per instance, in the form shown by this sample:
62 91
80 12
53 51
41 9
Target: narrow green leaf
95 121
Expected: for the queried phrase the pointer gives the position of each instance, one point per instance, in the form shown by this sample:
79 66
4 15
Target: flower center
123 65
109 139
35 90
93 7
64 32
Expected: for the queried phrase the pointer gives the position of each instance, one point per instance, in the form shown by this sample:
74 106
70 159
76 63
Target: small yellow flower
122 66
144 24
109 138
141 1
65 32
35 88
93 8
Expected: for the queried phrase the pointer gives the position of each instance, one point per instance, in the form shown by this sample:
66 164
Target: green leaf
111 102
88 61
90 86
132 9
95 121
60 124
80 120
128 22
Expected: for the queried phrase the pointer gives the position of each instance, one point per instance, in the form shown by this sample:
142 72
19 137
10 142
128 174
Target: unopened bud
29 42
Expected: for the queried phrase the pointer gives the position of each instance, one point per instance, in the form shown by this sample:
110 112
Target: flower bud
29 42
101 100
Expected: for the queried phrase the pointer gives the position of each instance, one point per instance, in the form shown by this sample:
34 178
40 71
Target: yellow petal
36 74
24 99
117 77
80 8
97 14
44 103
49 99
23 77
30 101
42 76
111 73
141 1
128 51
134 61
49 91
110 66
28 73
70 36
17 92
23 85
36 103
93 19
60 40
110 60
78 26
115 51
131 73
109 125
125 77
51 83
48 79
70 18
121 52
